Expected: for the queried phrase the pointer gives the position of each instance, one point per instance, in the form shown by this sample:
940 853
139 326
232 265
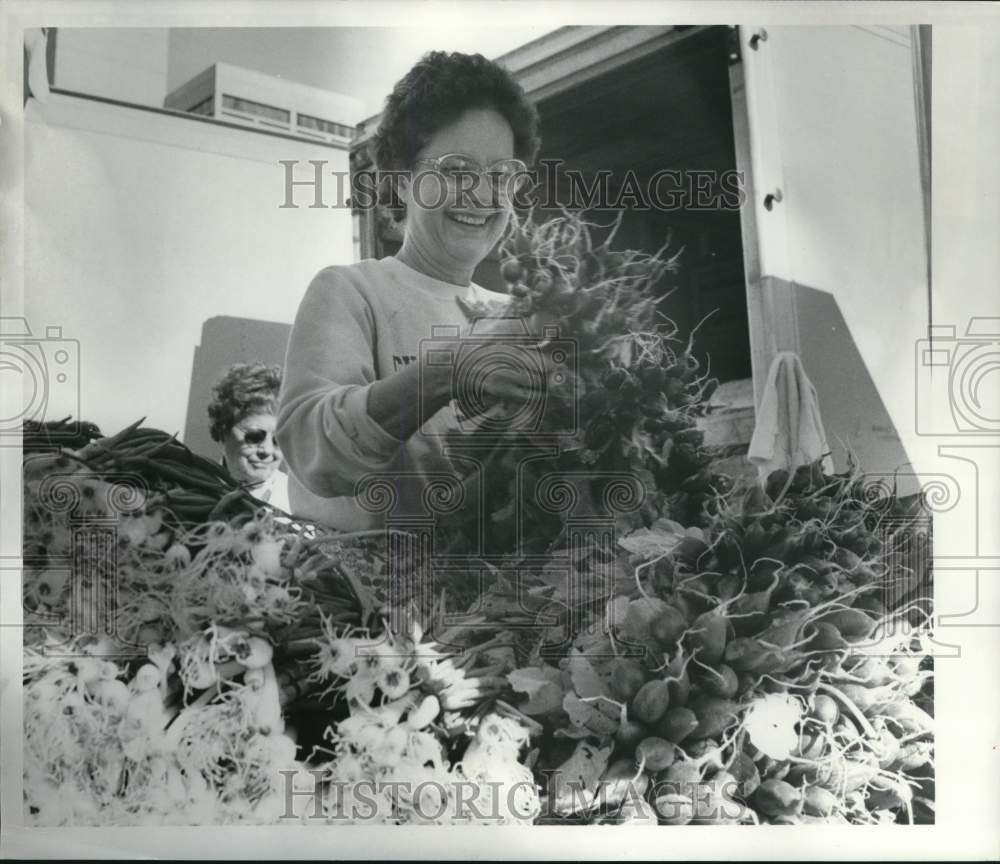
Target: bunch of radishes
619 391
403 755
762 676
154 583
190 734
178 715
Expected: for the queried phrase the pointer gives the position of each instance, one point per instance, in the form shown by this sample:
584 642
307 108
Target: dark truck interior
671 111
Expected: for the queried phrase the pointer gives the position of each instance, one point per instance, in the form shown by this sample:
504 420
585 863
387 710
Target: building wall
125 63
140 226
363 61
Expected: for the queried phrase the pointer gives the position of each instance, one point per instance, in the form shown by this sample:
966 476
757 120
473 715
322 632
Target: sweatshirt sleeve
327 437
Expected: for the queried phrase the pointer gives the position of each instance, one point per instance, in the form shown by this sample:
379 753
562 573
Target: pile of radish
733 656
737 686
805 599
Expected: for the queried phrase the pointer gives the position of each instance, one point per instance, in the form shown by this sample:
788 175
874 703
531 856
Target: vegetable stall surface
721 656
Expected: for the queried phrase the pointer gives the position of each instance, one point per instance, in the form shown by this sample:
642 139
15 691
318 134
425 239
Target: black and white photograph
502 416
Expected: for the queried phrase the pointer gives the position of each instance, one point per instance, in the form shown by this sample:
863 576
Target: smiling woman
360 402
242 420
457 211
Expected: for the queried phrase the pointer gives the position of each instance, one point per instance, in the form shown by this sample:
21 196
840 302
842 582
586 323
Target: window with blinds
340 130
267 115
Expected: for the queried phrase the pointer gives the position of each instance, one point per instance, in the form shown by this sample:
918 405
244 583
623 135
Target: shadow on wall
226 340
852 410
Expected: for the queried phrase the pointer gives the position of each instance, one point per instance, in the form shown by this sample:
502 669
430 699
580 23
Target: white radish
146 679
178 556
228 669
49 583
114 694
425 714
134 529
199 673
267 556
908 716
88 670
146 709
176 789
159 540
162 657
268 714
227 640
254 678
259 653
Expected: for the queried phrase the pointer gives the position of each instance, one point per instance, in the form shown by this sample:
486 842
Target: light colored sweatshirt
357 324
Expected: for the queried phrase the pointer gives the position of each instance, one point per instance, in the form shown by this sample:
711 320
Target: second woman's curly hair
438 90
245 389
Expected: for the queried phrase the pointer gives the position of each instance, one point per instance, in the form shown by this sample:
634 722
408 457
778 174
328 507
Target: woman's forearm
402 402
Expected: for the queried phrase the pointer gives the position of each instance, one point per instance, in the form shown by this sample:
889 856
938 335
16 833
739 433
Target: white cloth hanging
789 430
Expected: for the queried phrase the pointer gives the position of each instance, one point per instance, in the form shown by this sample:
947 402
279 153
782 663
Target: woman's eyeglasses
255 437
506 176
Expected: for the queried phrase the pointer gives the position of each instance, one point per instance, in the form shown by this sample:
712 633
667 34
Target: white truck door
834 233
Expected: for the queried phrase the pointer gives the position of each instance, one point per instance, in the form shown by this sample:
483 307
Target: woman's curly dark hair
438 90
244 389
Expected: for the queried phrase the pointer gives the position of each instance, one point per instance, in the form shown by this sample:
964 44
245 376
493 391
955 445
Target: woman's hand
498 373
